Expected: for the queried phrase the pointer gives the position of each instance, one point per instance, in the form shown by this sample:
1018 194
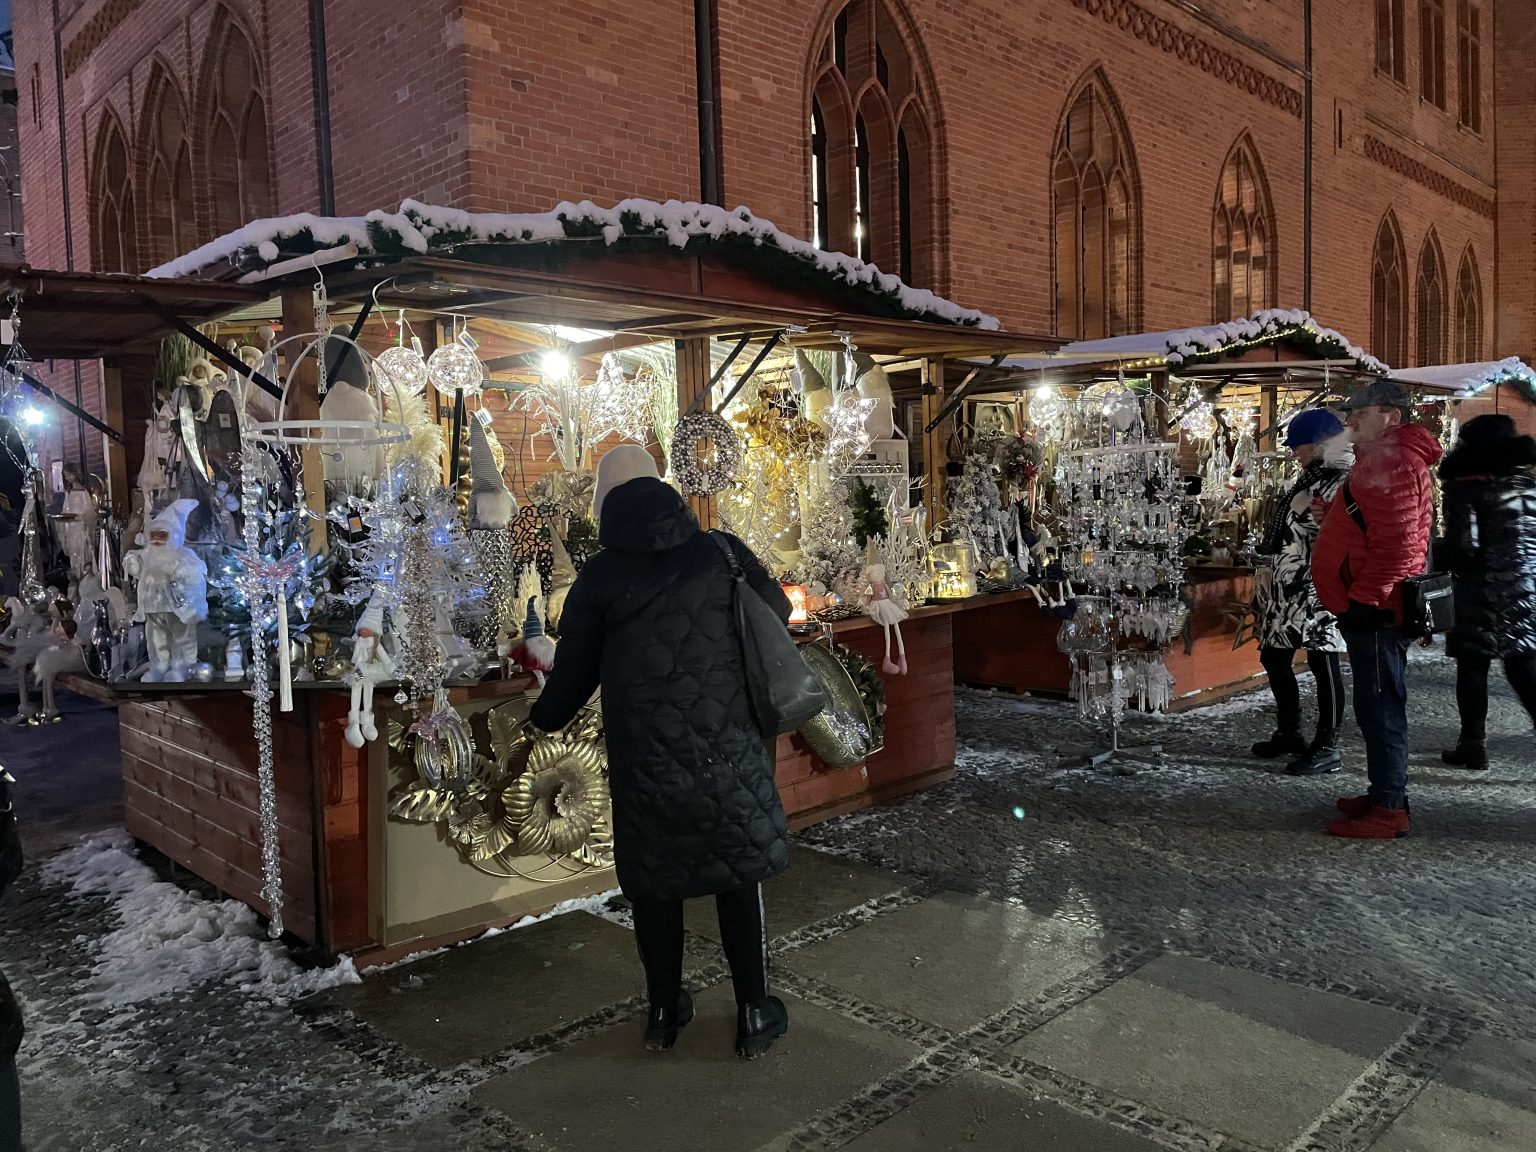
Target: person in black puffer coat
10 1015
696 811
1490 548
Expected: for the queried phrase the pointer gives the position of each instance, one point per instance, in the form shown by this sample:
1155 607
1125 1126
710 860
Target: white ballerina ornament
370 664
881 607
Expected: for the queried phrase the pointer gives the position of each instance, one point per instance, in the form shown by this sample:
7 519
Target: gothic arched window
1242 238
169 209
113 217
1430 294
1098 219
238 160
1469 310
1389 295
873 170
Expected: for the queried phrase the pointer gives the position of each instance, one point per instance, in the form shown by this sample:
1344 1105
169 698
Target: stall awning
93 315
1461 381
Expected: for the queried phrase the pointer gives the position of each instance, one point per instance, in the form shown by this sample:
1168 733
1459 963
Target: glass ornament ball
454 368
403 368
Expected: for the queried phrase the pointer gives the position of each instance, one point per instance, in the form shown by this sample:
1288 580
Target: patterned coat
1288 613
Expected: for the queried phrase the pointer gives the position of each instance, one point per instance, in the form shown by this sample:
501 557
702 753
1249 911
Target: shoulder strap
730 553
1351 507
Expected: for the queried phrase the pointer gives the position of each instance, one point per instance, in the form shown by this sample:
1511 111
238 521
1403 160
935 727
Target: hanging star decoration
847 437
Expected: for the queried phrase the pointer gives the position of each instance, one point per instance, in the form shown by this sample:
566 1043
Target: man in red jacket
1374 536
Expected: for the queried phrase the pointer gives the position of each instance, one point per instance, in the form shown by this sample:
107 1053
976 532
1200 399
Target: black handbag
1429 603
783 692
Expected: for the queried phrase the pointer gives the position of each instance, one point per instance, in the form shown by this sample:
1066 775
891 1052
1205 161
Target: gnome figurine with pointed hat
535 652
490 501
173 593
370 664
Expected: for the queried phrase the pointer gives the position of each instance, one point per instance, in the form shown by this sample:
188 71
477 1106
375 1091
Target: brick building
1086 167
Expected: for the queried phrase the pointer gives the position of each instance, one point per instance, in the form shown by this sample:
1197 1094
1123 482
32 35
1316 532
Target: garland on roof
1204 345
419 229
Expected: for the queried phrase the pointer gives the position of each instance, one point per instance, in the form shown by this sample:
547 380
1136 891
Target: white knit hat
619 466
372 618
172 520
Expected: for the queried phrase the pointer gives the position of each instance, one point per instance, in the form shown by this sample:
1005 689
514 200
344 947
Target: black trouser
10 1107
659 936
1472 689
1279 663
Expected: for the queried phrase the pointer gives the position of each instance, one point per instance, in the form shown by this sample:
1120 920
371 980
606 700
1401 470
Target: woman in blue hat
1289 616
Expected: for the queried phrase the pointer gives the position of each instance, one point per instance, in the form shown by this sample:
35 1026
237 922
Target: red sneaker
1375 824
1354 805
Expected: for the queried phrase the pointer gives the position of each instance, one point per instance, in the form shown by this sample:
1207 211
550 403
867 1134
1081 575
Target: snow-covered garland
1200 345
417 229
1511 370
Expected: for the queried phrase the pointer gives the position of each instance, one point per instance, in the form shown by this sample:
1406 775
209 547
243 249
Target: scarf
1275 532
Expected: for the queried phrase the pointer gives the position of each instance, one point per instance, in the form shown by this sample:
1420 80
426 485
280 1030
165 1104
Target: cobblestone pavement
1033 956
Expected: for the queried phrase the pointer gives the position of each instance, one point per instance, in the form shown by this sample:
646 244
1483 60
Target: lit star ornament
847 436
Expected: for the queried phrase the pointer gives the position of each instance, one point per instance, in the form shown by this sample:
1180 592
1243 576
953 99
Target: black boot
1469 754
1320 759
759 1025
662 1024
1282 743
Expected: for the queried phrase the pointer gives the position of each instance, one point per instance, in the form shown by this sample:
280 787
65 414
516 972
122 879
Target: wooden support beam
936 433
119 494
1269 416
304 404
693 373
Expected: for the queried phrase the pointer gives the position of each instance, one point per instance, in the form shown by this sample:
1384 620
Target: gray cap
1379 394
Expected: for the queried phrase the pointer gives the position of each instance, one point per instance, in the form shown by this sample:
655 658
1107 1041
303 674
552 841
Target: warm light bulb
31 415
555 364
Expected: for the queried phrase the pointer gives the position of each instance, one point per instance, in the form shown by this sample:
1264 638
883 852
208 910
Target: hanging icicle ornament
456 368
706 454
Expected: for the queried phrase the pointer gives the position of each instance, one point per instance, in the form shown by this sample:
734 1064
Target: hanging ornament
706 454
401 367
1047 410
1199 419
455 368
848 438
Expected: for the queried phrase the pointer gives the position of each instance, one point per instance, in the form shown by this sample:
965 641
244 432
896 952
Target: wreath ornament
706 454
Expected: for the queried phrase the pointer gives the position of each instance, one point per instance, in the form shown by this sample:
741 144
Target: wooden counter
919 746
1005 641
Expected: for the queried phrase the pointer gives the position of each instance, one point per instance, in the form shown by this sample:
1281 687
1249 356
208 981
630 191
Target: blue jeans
1379 661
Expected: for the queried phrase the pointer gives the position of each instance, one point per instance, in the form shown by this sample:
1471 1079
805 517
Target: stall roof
640 270
1465 380
1190 348
86 315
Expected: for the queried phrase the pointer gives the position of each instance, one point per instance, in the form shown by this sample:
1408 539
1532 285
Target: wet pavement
1035 956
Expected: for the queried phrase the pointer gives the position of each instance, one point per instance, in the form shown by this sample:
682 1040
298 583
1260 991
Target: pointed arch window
239 164
1242 239
1391 49
1469 311
1097 216
872 151
1430 293
114 219
169 209
1389 295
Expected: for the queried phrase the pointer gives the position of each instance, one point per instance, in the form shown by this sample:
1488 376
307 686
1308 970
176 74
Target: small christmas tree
868 510
830 554
976 511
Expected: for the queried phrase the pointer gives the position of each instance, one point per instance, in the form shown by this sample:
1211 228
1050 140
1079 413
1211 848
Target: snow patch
170 940
420 228
1463 380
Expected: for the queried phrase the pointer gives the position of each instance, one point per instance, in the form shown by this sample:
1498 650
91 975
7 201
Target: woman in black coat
695 808
10 1015
1490 548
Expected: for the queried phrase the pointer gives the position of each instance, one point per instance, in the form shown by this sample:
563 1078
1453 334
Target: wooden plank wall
919 737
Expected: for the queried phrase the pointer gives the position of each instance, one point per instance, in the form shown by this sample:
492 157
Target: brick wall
508 104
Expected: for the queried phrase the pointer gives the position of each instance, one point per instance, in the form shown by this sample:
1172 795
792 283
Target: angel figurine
883 609
370 664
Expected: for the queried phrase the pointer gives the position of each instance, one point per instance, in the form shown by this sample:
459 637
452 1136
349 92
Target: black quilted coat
695 807
1490 546
10 867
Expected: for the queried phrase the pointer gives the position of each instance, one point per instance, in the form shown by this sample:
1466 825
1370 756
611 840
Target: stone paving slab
1499 1069
607 1092
1445 1119
951 960
471 1001
976 1113
817 885
1227 1049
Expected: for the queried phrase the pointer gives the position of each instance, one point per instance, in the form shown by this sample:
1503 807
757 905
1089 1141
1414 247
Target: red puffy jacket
1391 486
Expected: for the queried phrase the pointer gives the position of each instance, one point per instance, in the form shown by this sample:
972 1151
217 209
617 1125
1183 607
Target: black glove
1364 618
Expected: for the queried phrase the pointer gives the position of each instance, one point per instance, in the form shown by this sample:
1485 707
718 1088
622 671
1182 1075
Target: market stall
362 495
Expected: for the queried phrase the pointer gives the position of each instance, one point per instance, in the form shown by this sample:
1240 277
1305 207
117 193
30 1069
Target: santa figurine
370 664
535 652
173 594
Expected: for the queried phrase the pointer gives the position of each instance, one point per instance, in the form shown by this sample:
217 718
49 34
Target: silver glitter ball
201 672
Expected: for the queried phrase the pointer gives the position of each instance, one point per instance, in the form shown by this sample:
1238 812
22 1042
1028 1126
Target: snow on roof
1469 379
1182 347
417 229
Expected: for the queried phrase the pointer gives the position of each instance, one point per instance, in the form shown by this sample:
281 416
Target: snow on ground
170 939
